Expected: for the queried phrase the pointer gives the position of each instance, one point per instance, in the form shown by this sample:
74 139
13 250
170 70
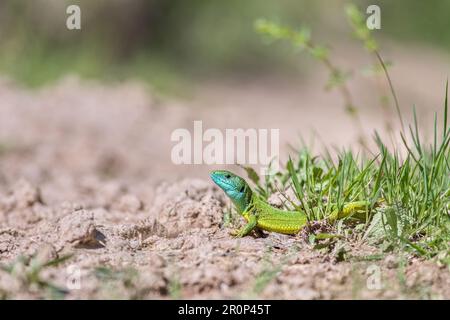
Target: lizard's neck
242 200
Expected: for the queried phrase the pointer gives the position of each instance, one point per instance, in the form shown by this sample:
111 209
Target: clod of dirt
78 229
23 206
186 205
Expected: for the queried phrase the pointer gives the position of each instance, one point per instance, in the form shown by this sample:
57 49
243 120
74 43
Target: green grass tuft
408 190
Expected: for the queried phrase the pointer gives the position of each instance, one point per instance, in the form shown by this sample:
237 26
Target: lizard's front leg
245 230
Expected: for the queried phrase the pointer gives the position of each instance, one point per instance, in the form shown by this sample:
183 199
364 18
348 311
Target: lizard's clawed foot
258 233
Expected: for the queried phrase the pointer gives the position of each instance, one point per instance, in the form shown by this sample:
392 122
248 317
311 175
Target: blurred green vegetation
427 22
167 42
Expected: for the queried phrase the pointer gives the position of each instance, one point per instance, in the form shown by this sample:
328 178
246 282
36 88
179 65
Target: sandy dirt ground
85 171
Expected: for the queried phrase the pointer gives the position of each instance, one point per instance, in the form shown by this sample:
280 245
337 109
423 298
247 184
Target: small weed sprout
302 40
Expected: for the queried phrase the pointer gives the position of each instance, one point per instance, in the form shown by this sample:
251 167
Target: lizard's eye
227 176
242 189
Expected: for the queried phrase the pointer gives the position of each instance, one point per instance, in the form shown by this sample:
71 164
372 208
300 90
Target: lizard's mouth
220 180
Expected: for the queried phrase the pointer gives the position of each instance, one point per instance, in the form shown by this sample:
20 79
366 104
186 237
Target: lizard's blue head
234 186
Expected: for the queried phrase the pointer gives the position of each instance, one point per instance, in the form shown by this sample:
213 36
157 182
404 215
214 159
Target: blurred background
107 97
163 41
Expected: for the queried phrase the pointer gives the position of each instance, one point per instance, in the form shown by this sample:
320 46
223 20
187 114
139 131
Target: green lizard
261 215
